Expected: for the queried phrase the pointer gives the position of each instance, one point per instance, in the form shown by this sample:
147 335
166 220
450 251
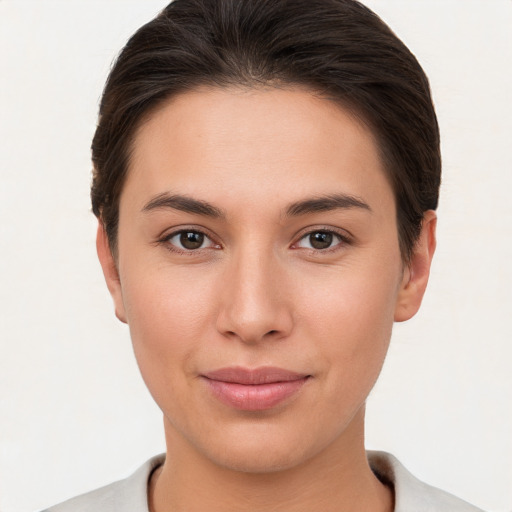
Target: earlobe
415 278
110 271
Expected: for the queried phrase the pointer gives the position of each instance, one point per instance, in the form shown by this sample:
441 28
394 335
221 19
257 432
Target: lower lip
257 397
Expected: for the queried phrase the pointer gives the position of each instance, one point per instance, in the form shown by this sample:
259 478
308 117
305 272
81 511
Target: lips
254 389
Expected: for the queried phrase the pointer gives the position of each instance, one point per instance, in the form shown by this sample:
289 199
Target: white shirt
131 494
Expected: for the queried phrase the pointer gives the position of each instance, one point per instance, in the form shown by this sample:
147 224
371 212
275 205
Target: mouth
256 389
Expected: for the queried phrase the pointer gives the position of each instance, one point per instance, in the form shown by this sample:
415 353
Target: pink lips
254 390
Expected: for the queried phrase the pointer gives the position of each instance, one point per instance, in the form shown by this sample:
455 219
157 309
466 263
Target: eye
320 240
189 240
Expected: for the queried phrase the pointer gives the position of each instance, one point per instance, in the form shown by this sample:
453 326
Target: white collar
131 494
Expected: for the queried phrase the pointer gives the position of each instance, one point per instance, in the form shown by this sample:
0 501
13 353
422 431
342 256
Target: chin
259 449
258 460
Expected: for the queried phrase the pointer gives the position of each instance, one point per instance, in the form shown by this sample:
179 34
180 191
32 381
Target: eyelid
167 235
345 237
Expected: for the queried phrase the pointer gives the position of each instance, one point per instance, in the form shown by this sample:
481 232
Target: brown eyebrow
326 203
304 207
184 204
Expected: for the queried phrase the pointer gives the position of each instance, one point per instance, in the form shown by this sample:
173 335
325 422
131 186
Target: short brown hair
338 48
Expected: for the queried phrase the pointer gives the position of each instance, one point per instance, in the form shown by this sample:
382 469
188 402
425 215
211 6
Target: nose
255 304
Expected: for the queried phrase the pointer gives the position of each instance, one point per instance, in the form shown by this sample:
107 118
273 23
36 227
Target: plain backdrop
74 413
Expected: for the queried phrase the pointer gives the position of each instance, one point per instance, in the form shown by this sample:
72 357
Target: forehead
239 141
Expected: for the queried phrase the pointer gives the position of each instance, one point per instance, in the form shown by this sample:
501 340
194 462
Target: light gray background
74 413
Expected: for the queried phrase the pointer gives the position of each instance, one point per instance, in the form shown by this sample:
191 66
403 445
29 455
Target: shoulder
411 493
128 495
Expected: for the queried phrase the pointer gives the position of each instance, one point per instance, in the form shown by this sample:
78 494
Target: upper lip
254 376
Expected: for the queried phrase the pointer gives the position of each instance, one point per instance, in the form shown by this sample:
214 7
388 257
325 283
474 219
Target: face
260 273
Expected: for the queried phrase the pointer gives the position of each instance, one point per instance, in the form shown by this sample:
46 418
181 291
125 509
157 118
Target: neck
337 479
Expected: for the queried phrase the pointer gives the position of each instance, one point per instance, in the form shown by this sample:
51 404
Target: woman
266 178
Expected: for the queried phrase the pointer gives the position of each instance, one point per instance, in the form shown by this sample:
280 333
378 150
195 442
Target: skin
256 293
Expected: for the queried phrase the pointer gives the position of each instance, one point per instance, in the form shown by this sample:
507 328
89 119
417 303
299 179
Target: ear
110 271
415 278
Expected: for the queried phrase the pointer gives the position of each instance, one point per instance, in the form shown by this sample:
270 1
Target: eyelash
166 241
343 239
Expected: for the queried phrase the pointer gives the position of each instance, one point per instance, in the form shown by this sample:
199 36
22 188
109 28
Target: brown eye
191 240
185 241
320 240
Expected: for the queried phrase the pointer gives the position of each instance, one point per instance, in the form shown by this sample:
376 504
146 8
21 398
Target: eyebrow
307 206
326 203
184 204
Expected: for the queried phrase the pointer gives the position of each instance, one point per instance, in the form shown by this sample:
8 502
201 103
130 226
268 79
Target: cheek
353 329
168 313
351 316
